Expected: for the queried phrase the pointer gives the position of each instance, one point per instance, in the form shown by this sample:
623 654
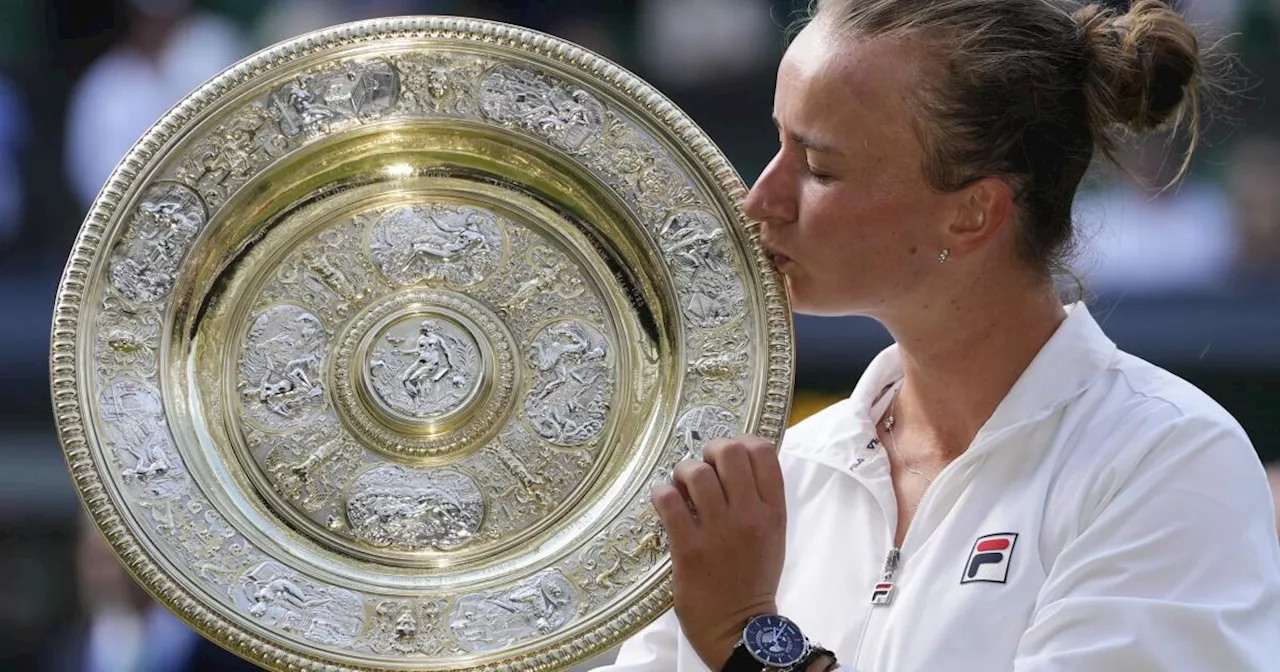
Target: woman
1004 489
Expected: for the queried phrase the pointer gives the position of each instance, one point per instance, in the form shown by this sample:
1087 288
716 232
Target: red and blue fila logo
989 559
882 593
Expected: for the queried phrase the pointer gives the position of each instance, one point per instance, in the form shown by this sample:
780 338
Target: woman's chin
818 305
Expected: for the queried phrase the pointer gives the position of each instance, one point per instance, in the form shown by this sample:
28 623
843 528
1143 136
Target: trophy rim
69 393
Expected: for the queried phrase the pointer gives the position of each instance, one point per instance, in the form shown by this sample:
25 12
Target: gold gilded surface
369 353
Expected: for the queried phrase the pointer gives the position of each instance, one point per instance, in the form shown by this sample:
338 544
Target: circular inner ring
424 374
421 367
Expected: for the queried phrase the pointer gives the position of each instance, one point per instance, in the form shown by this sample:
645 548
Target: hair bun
1143 66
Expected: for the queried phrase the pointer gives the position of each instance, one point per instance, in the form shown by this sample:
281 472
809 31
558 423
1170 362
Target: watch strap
741 660
815 652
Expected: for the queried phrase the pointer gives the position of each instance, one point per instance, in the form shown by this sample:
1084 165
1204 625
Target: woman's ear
983 209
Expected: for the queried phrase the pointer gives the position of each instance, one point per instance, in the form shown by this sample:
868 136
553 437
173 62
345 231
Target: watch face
774 641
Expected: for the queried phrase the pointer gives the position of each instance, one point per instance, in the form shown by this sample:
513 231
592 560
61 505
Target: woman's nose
771 198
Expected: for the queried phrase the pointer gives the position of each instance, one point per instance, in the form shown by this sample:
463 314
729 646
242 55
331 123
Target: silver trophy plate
371 350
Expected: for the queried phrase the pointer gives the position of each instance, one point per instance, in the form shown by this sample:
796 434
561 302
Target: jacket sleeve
1176 568
652 649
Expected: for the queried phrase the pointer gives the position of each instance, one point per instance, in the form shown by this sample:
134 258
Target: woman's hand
727 550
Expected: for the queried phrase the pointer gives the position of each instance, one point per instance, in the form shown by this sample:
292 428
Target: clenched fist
726 519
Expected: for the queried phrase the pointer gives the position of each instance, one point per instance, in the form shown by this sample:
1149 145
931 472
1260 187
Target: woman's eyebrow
810 143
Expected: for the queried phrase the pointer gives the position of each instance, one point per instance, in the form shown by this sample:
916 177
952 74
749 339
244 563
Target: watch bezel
755 622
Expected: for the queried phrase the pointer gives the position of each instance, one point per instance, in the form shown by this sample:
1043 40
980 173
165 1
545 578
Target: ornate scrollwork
126 338
409 627
635 165
232 154
439 84
566 116
625 552
721 368
524 479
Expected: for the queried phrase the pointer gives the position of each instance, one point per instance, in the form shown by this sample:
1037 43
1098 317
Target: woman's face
844 206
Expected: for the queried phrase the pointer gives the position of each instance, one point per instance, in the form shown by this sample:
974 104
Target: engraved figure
134 423
537 607
711 291
396 507
552 277
406 627
309 103
440 374
328 275
307 113
162 228
524 478
280 367
568 401
532 485
431 363
439 83
460 245
566 117
700 425
127 338
282 599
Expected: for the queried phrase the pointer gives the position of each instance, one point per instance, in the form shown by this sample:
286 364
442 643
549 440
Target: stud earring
942 256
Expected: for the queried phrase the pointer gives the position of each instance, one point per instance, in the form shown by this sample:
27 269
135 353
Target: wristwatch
773 643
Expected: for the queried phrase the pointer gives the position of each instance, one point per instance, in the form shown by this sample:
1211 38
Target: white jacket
1108 516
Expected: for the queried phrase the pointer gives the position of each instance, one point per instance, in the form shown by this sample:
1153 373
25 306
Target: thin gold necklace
893 442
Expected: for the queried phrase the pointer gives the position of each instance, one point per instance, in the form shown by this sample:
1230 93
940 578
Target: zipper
893 560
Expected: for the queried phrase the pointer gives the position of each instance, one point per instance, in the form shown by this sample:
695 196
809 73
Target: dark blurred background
1188 279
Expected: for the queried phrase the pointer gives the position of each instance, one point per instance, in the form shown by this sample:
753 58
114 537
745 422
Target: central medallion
422 366
424 374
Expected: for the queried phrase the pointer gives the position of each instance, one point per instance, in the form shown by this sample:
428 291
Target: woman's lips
779 260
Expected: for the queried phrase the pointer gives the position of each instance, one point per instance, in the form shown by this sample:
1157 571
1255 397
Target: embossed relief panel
280 369
453 297
453 402
141 453
157 237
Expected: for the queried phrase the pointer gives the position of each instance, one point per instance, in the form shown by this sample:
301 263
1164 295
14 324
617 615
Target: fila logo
989 559
882 593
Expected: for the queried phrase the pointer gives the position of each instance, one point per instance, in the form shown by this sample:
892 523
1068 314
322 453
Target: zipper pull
883 591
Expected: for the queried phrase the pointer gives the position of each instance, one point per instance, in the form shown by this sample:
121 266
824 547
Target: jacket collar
1073 358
